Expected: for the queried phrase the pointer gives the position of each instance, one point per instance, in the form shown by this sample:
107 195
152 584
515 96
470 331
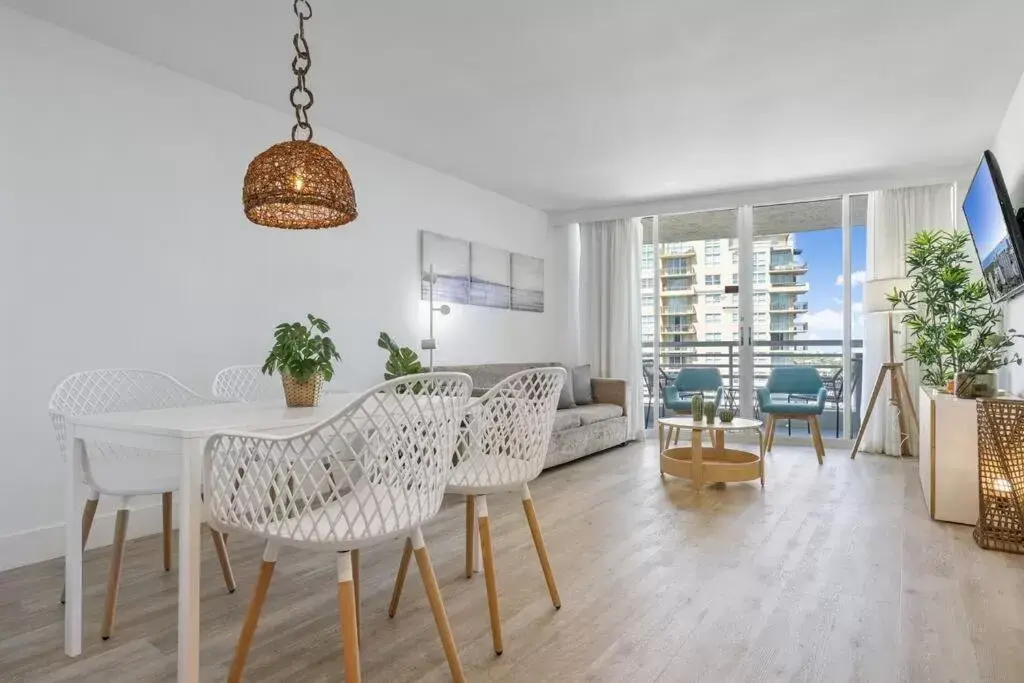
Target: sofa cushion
582 393
596 412
566 419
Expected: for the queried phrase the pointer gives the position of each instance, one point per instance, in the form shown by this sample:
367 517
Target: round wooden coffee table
703 465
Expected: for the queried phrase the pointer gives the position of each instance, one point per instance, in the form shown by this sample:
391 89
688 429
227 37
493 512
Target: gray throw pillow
581 391
565 398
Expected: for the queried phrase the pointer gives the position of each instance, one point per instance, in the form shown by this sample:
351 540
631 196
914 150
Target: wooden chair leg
349 619
88 515
225 562
470 544
252 615
819 446
114 577
355 590
489 578
403 569
444 629
542 552
770 438
167 500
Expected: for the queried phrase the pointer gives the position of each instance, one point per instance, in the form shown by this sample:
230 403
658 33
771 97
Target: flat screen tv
995 231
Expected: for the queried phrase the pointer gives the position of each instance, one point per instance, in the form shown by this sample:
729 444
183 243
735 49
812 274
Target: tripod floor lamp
875 302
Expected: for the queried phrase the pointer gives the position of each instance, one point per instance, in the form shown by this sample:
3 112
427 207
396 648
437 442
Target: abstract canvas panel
527 283
480 275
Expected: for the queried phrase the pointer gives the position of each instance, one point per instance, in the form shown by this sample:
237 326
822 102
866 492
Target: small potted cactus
726 415
709 412
697 406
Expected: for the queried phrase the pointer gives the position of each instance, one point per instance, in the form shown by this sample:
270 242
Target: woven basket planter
1000 475
302 394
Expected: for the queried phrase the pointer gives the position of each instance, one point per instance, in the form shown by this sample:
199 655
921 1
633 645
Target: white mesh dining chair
245 384
502 448
124 473
375 470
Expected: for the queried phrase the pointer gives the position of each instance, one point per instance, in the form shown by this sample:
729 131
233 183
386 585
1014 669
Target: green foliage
709 411
302 350
401 360
953 326
726 415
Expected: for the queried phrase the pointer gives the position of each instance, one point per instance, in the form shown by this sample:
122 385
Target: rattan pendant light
299 185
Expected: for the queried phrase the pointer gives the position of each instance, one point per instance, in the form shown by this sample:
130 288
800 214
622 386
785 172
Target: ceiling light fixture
299 185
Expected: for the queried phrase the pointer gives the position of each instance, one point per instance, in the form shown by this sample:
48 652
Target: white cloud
857 278
828 323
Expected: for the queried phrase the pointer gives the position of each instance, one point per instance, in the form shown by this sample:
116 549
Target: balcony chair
375 470
502 449
690 382
793 382
124 473
663 382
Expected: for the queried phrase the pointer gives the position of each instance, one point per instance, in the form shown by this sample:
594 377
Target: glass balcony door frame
748 343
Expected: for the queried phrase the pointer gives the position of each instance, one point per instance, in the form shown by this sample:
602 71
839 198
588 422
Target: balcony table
172 430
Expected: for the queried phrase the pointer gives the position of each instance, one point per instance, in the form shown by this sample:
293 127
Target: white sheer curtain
894 217
609 306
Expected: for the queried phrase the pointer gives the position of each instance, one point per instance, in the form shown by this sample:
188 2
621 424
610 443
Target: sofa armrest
612 391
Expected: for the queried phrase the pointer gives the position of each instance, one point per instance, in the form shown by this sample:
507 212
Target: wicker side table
1000 475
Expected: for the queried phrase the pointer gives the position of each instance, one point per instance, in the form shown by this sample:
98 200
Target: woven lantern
299 185
1000 475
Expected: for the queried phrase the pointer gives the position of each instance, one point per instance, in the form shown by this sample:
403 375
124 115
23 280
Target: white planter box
949 456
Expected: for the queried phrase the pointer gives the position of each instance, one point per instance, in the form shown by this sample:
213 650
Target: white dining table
183 431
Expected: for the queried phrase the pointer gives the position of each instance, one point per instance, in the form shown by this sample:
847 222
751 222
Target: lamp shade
298 185
877 291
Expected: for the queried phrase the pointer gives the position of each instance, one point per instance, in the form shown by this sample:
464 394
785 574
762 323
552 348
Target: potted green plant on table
304 355
955 332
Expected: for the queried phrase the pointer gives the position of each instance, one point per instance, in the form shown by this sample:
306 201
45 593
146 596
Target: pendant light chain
301 96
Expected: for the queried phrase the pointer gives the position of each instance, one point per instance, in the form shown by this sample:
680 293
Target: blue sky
823 253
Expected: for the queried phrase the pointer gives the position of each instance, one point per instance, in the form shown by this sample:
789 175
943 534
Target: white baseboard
46 543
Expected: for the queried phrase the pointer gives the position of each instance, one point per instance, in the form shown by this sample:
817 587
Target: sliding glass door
748 289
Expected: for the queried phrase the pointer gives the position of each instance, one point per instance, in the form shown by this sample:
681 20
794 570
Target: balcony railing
678 310
794 266
825 355
678 250
792 306
677 329
677 272
794 287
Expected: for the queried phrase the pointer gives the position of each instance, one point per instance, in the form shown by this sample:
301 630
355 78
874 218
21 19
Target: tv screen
994 229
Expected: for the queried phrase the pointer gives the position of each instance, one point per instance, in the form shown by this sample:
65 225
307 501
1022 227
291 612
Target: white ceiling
565 104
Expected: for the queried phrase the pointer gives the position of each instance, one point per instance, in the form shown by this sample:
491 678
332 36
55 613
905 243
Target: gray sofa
578 431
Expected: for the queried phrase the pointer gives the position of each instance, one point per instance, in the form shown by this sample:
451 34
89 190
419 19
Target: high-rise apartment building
696 308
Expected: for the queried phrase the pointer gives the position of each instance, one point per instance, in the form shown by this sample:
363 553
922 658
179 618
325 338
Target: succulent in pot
726 415
697 406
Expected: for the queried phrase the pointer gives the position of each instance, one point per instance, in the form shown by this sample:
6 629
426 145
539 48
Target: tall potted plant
304 355
955 331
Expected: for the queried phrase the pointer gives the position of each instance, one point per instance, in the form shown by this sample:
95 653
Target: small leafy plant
401 360
302 350
954 328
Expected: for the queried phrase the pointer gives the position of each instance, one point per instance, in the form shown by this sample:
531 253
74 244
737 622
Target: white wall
124 244
1009 150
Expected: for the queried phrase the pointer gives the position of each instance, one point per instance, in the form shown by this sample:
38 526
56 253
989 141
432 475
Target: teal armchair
690 381
775 400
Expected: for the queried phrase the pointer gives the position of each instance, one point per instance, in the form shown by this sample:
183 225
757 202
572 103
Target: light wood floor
831 573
